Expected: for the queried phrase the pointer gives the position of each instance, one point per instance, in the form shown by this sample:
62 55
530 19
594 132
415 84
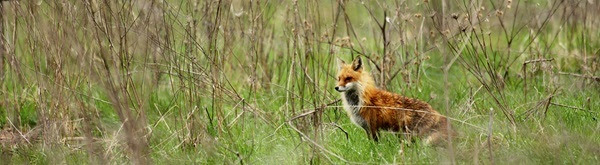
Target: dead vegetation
134 81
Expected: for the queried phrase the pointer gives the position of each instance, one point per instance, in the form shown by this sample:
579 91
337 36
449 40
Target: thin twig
305 137
595 78
572 107
345 132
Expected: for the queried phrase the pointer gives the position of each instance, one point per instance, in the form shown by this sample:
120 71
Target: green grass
564 135
287 69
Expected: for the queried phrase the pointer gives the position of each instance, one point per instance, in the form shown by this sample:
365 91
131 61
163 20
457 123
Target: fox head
349 75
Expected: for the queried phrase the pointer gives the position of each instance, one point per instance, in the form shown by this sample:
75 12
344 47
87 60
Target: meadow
252 82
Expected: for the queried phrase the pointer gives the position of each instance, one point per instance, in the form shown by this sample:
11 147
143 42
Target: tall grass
250 82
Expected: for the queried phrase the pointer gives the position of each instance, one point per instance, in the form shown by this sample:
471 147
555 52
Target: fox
374 109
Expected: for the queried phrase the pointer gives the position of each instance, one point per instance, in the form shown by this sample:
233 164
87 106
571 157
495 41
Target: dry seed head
446 32
307 25
324 36
454 16
343 42
499 13
418 15
336 40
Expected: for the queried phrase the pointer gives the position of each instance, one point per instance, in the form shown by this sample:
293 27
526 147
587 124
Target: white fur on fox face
348 86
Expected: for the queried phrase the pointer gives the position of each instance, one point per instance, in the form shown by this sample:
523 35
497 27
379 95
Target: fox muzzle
341 88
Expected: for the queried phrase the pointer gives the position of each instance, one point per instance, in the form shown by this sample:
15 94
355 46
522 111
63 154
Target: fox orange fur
375 109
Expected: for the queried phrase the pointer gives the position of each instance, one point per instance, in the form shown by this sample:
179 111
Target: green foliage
236 82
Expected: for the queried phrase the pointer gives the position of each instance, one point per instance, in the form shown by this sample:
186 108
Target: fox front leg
375 136
372 134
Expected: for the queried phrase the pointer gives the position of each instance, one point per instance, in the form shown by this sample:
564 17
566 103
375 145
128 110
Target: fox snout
342 88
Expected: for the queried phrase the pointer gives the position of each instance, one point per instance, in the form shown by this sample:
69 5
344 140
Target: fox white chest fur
352 103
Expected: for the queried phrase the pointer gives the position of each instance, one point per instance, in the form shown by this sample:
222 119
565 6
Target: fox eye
348 78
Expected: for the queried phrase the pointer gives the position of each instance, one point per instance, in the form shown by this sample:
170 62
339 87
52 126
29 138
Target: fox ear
340 63
357 64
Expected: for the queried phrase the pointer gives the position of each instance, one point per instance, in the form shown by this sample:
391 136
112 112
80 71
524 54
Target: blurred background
238 81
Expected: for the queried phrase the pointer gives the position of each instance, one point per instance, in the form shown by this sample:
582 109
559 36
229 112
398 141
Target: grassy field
251 82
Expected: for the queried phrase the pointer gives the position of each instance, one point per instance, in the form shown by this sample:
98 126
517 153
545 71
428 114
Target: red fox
375 109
